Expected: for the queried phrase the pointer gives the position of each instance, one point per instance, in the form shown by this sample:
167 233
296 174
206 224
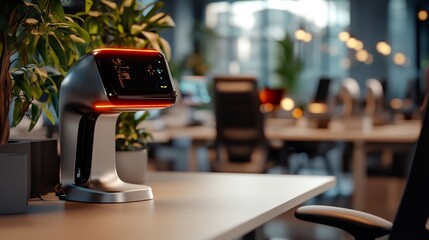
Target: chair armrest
359 224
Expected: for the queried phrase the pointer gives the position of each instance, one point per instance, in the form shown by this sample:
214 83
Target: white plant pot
131 166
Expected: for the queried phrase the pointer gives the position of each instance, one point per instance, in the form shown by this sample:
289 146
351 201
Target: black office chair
240 140
411 221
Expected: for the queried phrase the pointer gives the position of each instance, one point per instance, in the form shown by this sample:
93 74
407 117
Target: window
245 40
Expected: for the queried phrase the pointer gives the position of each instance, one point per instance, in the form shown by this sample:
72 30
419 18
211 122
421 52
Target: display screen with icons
134 72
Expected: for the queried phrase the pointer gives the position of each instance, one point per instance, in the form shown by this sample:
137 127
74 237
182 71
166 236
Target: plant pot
14 183
43 162
131 166
271 95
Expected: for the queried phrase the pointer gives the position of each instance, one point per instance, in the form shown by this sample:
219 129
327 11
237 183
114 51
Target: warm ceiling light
351 42
317 108
297 113
343 36
362 55
287 104
383 48
422 15
266 108
400 59
308 37
300 34
369 60
358 45
396 103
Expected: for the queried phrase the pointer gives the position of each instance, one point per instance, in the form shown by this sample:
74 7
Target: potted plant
288 66
38 44
287 69
131 146
128 24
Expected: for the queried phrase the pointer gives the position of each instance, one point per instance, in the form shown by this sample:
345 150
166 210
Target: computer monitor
194 90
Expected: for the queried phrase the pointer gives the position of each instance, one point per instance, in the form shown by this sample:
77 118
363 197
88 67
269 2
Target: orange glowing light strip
99 50
131 106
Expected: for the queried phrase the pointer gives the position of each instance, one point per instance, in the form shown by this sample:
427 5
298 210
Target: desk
186 206
401 132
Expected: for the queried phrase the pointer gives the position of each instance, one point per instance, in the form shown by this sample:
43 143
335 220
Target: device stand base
117 192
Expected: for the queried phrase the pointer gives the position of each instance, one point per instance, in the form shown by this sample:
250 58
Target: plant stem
6 85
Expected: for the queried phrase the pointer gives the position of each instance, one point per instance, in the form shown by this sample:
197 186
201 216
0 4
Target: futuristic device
100 86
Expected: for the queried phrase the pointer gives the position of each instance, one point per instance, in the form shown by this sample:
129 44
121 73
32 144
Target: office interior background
240 37
335 39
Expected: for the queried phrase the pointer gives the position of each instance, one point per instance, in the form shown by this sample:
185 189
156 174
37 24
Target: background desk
186 206
275 129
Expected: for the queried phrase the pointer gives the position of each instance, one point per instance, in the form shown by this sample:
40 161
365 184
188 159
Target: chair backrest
350 95
319 108
322 91
374 96
411 221
239 121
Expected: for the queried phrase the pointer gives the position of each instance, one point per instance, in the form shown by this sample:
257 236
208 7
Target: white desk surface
186 206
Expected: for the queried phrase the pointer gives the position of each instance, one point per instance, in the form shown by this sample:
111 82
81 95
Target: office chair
316 149
374 96
411 221
350 96
240 140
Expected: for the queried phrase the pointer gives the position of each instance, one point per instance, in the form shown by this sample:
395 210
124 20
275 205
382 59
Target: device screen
134 72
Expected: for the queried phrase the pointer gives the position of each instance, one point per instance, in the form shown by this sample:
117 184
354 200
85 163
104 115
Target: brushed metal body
80 89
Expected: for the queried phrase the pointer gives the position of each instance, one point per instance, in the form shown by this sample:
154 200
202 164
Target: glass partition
246 35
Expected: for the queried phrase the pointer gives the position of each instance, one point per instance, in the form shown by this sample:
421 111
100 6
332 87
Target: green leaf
157 17
110 4
120 28
35 115
42 49
58 10
31 21
48 114
33 45
23 84
88 5
154 7
36 92
95 13
135 29
152 40
92 27
54 102
129 15
76 39
29 4
79 31
17 113
81 49
43 4
165 47
59 50
55 59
